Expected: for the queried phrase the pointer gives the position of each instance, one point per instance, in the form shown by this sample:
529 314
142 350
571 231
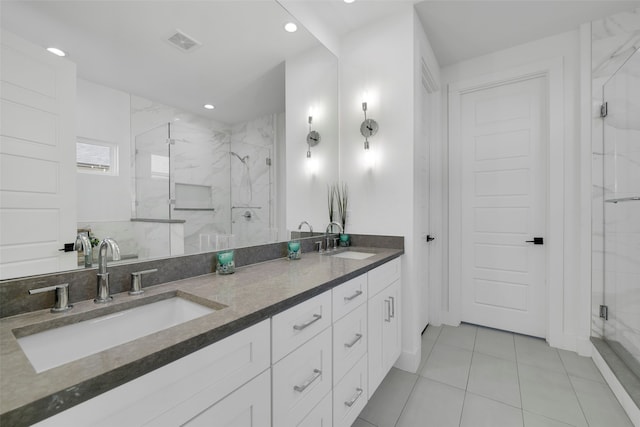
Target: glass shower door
621 182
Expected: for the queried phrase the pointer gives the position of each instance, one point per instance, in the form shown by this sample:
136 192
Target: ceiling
122 44
463 29
460 30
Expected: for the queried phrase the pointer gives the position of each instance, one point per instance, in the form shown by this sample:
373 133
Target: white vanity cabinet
315 364
384 321
196 384
302 360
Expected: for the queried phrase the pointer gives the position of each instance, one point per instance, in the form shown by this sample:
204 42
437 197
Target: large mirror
158 171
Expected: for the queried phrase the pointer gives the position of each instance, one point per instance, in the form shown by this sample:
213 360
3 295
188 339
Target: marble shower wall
200 173
616 174
252 181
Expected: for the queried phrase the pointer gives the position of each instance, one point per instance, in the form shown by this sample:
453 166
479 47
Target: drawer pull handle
393 307
355 397
388 304
316 317
355 295
307 383
355 340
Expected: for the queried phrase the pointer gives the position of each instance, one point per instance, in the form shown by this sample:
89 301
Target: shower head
242 159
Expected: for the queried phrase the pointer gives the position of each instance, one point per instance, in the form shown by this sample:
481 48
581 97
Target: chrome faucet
328 231
85 246
308 225
103 294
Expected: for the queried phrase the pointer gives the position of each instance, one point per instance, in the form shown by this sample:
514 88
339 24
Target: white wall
565 46
311 82
379 60
103 114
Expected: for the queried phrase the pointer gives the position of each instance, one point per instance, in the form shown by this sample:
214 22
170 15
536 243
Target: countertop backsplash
15 298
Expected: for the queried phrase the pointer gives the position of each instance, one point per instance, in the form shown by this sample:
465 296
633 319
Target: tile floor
472 376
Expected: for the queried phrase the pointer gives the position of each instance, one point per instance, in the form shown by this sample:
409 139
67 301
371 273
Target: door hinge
268 161
604 312
172 201
604 109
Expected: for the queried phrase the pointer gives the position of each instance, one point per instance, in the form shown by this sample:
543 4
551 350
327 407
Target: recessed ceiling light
349 1
56 51
290 27
209 106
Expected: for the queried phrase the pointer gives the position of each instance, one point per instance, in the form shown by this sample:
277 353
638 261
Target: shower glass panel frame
619 315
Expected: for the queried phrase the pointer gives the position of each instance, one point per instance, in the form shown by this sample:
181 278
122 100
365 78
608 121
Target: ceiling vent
183 42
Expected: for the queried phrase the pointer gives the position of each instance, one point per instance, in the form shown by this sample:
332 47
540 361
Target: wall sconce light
313 138
368 128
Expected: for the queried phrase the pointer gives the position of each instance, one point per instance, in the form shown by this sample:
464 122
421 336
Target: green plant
94 240
342 196
331 197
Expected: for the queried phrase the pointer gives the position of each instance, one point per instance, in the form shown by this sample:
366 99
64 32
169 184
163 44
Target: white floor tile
427 346
479 411
550 394
362 423
579 366
432 332
449 365
387 402
535 420
536 352
463 336
495 343
494 378
599 404
432 404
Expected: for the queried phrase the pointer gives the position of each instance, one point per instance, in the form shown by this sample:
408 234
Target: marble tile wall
199 162
252 181
616 174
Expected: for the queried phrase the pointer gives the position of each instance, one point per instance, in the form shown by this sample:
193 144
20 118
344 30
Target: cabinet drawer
383 276
321 415
173 394
249 406
299 324
348 296
349 341
301 380
350 395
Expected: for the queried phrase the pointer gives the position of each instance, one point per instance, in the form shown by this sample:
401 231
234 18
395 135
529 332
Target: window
94 156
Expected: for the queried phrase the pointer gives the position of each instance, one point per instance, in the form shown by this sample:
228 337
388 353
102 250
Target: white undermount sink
55 347
353 255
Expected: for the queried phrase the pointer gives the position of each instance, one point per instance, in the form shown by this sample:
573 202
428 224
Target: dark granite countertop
253 293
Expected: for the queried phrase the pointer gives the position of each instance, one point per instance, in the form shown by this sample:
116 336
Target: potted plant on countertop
342 197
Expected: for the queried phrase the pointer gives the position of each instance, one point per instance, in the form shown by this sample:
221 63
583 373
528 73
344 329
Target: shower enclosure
616 244
198 189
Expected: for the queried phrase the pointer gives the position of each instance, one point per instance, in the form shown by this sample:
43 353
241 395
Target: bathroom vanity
286 343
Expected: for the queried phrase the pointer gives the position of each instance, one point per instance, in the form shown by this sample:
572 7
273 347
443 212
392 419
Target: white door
37 160
503 205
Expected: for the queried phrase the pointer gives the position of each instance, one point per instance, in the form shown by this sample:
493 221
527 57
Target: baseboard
618 390
408 361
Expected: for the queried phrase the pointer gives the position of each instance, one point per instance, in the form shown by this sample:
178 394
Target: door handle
536 241
430 238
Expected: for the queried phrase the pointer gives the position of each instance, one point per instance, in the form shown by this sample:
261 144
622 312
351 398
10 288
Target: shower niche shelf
192 197
624 199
